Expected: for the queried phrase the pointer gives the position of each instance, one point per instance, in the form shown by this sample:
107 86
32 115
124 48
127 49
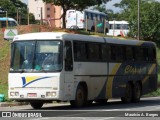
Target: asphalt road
147 108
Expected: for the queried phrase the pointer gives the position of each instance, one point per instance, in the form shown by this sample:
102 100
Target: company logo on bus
28 80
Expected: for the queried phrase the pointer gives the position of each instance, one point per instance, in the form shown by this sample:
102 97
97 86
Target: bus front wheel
36 105
127 98
80 98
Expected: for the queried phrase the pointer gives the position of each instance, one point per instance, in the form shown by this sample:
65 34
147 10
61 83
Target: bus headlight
14 93
50 94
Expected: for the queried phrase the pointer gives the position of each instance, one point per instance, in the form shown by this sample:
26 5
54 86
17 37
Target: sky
25 1
109 5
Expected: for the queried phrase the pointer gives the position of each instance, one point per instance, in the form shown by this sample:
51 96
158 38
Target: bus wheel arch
127 98
80 96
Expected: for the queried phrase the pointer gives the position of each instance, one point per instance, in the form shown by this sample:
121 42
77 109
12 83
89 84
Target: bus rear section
93 20
75 19
118 28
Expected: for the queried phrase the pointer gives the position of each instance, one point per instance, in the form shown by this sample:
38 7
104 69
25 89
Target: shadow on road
110 105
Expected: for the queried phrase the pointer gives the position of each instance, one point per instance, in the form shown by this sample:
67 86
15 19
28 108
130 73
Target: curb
10 104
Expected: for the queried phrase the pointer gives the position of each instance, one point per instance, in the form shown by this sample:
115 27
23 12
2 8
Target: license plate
32 95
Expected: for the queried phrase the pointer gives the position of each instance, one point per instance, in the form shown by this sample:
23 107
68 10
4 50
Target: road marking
43 118
106 118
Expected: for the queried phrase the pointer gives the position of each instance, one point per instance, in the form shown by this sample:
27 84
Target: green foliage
12 6
74 4
149 18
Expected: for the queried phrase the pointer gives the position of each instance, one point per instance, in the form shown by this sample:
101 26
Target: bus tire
128 94
89 102
92 29
136 92
80 97
36 105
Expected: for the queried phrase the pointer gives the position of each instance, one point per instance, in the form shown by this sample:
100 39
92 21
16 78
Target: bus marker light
16 93
21 96
51 94
42 96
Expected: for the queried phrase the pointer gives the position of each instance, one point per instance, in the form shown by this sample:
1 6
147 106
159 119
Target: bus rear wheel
80 98
128 94
36 105
136 92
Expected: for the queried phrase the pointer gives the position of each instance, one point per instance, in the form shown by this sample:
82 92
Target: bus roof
78 37
118 22
87 10
93 11
4 19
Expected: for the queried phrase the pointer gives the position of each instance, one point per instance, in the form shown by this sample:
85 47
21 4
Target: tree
149 18
11 6
74 4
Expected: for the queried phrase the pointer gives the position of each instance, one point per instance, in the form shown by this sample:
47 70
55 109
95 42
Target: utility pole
138 36
28 15
6 19
17 15
41 22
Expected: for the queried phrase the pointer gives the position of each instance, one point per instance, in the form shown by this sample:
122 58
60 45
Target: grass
4 90
4 62
153 94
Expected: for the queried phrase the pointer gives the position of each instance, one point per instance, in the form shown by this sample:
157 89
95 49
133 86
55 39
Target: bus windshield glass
36 56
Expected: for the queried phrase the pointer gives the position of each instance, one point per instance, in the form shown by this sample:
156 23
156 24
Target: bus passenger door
68 86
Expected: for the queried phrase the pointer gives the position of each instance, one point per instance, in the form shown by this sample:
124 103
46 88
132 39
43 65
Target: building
50 13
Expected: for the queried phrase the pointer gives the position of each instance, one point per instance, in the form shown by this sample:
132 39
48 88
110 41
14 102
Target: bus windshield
36 56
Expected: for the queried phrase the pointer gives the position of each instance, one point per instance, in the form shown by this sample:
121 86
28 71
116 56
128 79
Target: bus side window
111 26
113 53
139 54
104 52
93 52
91 16
151 54
68 57
129 53
80 51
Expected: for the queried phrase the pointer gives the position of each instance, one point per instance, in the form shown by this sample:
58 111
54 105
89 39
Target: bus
77 20
118 28
10 21
57 66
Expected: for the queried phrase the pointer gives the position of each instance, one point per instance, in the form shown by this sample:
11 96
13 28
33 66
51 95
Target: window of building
48 9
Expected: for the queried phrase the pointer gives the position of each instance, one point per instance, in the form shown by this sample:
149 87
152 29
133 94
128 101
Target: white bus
77 20
81 69
118 28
